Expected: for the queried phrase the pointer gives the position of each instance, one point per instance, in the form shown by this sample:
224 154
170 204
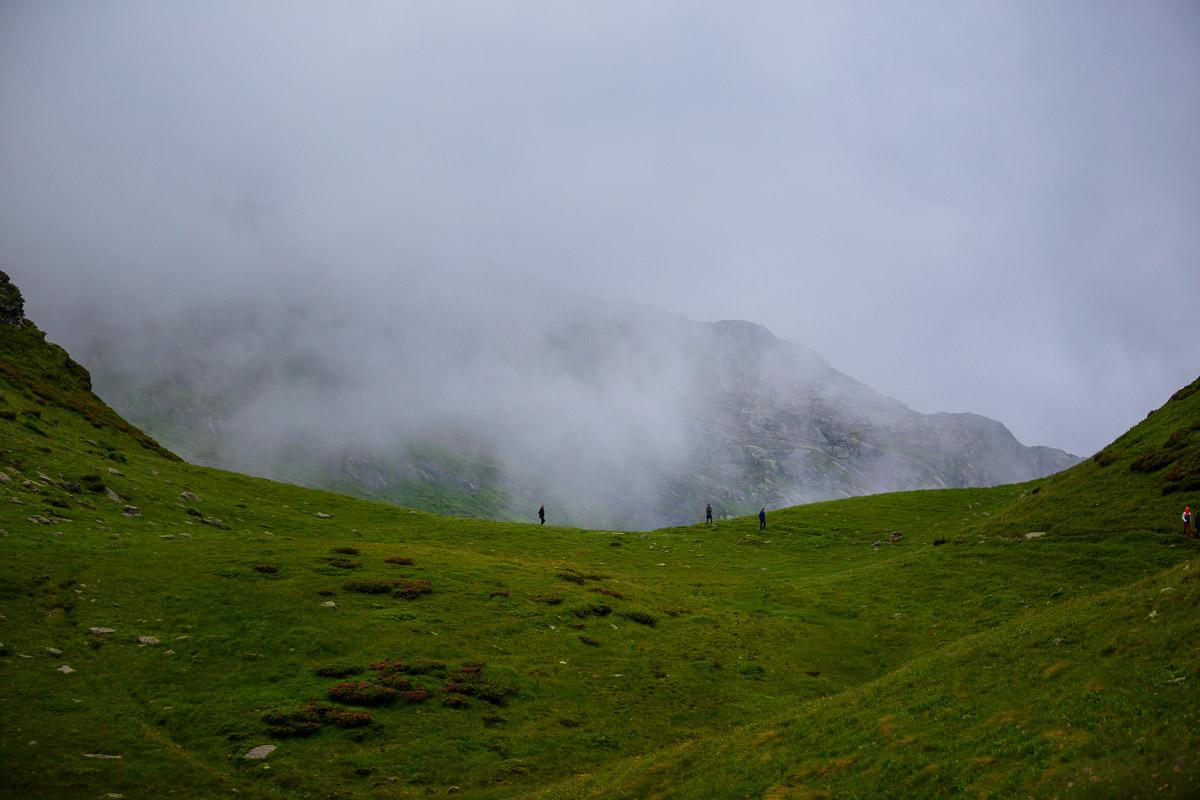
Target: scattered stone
54 651
329 604
105 756
113 796
115 471
4 478
153 471
191 498
213 522
323 515
167 536
101 631
147 640
111 495
65 670
131 511
260 752
45 477
29 486
876 545
185 536
895 536
37 519
1035 534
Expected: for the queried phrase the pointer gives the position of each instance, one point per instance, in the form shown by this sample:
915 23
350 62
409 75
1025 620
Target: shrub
413 589
502 593
343 563
571 577
404 560
8 415
292 721
343 718
589 641
337 670
471 681
194 512
92 483
269 569
1151 461
362 693
346 551
607 592
415 696
368 586
594 610
454 700
641 618
548 599
422 666
394 680
327 592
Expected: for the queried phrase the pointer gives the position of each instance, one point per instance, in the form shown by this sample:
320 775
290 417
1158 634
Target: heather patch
362 693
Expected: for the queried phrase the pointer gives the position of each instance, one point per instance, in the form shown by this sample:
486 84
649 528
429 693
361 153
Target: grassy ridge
685 662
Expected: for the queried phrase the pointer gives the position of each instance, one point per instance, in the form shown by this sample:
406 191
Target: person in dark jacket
542 513
708 514
762 518
1187 520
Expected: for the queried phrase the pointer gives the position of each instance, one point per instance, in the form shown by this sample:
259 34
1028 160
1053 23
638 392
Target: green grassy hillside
159 620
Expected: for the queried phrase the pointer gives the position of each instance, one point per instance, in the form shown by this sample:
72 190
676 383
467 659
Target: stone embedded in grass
98 631
1035 534
329 604
323 515
147 640
65 670
131 511
191 498
260 752
213 522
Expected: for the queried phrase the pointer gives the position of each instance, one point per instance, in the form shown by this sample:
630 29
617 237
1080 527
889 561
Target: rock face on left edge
12 305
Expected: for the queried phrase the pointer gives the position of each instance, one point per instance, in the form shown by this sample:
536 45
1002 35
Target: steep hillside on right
1140 482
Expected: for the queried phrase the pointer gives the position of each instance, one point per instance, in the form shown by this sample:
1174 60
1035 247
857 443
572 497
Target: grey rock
65 670
260 752
99 631
111 495
4 478
131 511
54 651
191 498
213 522
1035 534
323 515
147 640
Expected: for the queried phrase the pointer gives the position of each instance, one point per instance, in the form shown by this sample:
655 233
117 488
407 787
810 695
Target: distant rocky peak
12 305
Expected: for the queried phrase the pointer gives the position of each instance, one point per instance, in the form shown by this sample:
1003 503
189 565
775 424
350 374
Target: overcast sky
985 206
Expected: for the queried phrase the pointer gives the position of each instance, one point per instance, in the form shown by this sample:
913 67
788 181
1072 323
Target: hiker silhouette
542 513
762 518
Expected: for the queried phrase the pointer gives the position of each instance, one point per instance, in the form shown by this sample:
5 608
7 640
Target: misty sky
986 206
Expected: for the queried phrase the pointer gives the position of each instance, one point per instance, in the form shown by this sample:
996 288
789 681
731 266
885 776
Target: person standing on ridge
1187 520
708 514
762 518
542 513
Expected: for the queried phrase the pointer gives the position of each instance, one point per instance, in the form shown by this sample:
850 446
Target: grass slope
799 661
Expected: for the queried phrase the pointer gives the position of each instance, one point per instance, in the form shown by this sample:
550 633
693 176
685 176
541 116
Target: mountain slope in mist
613 415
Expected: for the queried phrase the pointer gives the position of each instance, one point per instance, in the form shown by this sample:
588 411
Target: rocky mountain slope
613 415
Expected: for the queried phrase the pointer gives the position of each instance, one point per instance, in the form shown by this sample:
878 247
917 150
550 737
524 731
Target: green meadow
159 621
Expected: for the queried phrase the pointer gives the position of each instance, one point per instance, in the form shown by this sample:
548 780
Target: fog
985 207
